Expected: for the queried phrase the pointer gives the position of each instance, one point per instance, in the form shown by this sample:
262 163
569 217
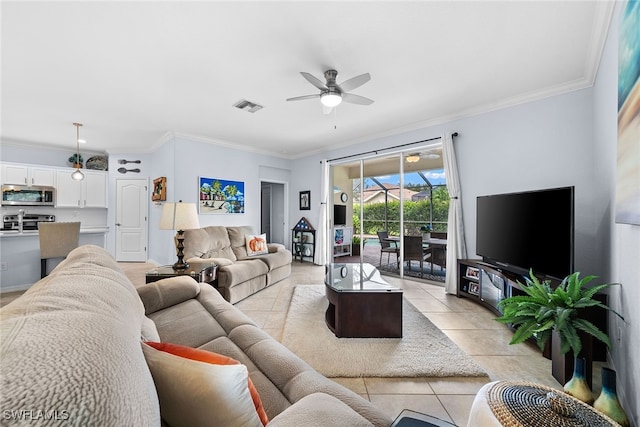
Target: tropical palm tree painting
219 196
628 167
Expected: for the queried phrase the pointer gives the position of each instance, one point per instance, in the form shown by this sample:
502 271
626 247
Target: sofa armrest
318 410
201 263
276 247
167 292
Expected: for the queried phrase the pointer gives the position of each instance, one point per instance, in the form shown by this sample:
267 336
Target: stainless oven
28 222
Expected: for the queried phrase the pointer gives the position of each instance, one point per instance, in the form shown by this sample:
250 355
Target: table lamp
179 216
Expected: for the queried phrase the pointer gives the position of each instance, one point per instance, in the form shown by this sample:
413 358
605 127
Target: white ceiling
135 72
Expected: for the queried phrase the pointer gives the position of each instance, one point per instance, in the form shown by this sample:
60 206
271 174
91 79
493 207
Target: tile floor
470 326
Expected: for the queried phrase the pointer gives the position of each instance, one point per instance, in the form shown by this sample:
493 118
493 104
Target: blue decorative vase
577 386
608 402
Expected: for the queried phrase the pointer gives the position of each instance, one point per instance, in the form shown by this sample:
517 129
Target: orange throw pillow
214 359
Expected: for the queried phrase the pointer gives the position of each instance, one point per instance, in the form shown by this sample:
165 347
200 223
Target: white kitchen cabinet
91 192
26 175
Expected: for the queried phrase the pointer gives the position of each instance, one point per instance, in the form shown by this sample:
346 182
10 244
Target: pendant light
78 175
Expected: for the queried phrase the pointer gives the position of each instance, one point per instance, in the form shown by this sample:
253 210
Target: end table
208 274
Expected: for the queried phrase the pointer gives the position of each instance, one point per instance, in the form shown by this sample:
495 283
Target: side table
208 274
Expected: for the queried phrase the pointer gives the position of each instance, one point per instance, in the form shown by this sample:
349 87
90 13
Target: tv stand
486 284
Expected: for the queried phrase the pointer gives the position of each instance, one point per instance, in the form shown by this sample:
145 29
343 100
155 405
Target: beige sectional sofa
239 275
72 353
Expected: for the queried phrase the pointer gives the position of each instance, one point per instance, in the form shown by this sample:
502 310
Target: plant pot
355 249
562 364
577 385
608 402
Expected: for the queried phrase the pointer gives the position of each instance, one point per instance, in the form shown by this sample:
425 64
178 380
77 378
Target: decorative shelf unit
303 240
342 237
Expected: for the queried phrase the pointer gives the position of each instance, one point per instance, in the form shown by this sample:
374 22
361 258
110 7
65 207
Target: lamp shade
179 216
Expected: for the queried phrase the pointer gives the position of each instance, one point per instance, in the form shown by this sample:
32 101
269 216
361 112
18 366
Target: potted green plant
355 245
76 160
426 230
544 310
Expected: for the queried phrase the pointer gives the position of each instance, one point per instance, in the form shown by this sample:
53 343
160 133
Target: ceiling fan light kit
330 99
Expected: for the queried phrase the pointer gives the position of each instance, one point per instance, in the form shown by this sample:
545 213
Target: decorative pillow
214 359
256 244
193 393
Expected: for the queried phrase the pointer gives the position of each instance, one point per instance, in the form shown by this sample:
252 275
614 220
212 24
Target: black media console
486 284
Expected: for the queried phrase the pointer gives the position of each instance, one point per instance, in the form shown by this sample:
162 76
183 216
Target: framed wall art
220 196
628 162
305 200
159 189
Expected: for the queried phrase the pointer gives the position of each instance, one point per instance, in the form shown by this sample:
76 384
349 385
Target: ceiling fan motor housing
330 76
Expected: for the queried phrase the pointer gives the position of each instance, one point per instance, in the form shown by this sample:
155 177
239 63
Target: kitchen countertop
83 230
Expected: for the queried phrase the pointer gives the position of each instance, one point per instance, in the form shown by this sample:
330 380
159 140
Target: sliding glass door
380 199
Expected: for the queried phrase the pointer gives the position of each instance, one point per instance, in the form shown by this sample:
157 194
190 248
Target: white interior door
131 219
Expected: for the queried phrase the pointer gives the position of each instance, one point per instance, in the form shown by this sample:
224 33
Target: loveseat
76 349
239 273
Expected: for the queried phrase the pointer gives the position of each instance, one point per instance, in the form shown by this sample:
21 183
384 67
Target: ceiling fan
331 93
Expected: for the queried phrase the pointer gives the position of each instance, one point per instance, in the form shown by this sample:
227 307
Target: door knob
118 224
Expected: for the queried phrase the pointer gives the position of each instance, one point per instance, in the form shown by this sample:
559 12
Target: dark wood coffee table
361 303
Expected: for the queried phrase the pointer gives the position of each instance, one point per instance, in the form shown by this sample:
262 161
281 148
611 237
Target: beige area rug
423 351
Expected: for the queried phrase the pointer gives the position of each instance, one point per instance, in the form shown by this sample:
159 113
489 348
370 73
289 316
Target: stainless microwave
22 195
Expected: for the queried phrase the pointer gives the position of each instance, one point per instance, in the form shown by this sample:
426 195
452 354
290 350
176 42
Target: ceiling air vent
249 106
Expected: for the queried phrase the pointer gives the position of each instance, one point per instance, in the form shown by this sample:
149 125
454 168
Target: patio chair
439 255
415 251
387 247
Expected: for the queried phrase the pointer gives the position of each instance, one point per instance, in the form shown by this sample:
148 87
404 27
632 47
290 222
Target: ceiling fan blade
300 98
355 82
314 80
356 99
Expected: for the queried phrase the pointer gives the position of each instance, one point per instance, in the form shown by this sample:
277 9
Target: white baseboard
14 288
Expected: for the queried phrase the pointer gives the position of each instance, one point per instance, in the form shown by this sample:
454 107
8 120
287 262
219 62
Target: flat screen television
528 230
339 215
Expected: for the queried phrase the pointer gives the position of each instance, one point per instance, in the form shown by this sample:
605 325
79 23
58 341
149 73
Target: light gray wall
618 245
537 145
21 152
161 247
183 161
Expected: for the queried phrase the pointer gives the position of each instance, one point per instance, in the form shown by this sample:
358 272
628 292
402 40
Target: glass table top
167 270
356 277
